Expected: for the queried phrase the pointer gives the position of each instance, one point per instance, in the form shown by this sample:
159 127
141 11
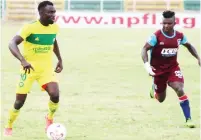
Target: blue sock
184 103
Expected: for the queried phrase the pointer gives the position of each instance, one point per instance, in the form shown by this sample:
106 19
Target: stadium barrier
192 5
123 20
26 9
2 8
153 5
94 5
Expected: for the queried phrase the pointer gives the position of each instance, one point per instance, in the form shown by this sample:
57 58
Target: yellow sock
13 113
52 107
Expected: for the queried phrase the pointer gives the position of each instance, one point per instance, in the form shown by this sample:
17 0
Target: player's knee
18 104
161 100
54 97
161 96
179 90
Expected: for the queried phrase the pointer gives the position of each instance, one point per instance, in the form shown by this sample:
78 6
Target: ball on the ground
56 131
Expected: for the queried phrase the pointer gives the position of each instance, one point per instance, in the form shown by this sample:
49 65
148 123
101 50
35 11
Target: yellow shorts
26 80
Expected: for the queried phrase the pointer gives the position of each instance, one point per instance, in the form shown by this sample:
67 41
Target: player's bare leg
14 112
53 90
184 102
159 96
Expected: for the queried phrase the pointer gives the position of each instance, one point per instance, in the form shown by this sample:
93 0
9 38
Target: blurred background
104 87
25 10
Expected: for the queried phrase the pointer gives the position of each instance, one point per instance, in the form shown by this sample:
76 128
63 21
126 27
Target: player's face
168 24
48 14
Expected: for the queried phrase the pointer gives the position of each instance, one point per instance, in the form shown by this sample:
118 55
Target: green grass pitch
104 89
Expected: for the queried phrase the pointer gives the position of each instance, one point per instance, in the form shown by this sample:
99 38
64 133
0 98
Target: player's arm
144 53
191 49
13 47
149 45
56 50
145 59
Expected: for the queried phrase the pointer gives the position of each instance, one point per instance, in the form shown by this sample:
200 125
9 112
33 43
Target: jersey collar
167 35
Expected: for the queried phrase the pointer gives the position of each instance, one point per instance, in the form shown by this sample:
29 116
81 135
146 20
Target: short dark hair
44 4
168 14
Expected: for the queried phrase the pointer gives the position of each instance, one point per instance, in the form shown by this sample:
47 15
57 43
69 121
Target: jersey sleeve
152 40
24 32
184 40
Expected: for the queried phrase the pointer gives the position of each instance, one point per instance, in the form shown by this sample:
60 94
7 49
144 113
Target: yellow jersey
38 44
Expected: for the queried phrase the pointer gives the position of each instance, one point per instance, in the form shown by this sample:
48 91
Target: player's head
47 12
168 20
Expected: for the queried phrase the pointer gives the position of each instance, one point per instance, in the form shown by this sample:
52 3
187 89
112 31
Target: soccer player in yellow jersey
39 44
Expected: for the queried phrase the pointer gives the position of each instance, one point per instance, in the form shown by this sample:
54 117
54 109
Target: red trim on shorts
44 86
183 98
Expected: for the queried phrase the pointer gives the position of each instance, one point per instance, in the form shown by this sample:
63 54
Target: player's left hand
59 67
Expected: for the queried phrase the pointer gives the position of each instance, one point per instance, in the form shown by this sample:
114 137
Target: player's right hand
149 69
26 66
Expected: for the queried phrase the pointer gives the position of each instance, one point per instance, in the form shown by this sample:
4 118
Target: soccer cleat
8 132
151 93
48 122
189 123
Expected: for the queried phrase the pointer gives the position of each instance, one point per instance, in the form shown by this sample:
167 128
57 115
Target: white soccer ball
56 131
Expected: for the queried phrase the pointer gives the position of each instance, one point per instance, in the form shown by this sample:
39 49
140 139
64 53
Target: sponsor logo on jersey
161 43
37 39
42 49
169 52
